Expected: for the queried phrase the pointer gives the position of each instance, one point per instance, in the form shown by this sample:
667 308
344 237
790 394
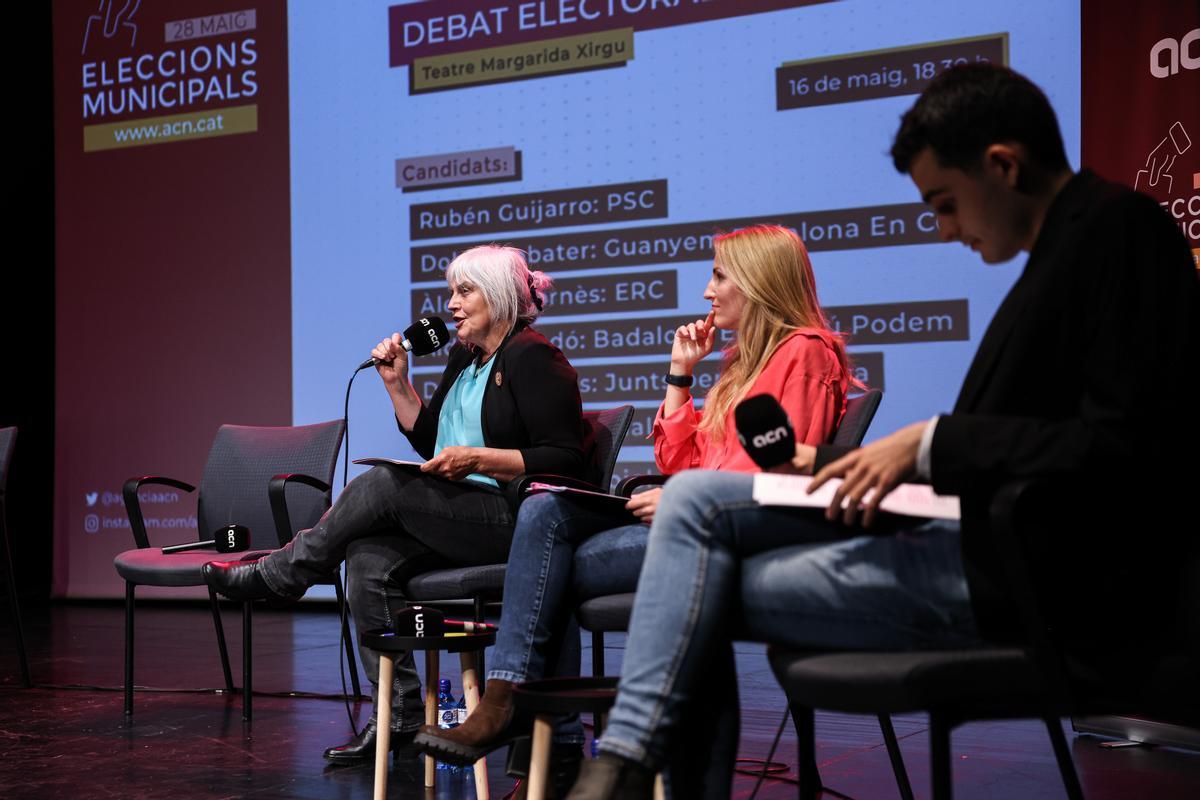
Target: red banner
1141 101
173 257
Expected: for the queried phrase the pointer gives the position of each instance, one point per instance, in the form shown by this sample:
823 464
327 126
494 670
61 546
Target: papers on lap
611 503
394 462
907 499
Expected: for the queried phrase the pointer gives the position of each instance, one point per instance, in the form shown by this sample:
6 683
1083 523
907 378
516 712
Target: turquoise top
461 419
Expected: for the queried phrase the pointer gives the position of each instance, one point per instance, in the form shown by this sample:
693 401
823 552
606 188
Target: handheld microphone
467 626
418 621
421 621
230 539
423 337
765 431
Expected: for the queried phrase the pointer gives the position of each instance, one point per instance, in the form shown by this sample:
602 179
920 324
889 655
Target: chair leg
1066 767
893 748
221 646
432 658
247 652
470 693
539 758
14 604
347 642
598 719
597 654
129 586
481 616
383 744
806 753
939 757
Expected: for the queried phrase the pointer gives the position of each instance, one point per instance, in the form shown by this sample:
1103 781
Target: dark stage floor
75 743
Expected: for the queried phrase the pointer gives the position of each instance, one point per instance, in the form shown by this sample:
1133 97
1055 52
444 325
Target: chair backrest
242 462
860 411
8 438
608 429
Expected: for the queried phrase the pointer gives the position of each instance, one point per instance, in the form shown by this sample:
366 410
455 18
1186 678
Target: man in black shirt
1086 376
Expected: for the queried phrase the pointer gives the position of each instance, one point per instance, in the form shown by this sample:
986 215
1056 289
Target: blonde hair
770 265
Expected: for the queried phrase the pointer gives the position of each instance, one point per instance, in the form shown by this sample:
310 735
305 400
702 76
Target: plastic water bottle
447 717
595 747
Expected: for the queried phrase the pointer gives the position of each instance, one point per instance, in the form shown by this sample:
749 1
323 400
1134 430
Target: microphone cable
346 427
768 764
343 574
777 770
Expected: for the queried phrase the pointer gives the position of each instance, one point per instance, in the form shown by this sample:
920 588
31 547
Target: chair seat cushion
454 584
566 695
989 679
606 614
149 567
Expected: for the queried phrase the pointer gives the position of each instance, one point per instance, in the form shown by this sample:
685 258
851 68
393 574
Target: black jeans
390 524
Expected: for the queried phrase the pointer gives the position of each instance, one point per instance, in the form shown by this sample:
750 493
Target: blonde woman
762 288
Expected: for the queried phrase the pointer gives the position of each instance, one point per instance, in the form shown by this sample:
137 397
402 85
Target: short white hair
512 292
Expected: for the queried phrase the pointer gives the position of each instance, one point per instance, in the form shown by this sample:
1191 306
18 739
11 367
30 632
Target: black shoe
565 760
239 580
362 747
611 777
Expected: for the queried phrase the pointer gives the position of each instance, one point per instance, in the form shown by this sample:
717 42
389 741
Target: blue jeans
561 551
718 565
389 525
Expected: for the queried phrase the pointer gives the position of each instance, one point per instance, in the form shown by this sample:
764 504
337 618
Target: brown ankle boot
490 726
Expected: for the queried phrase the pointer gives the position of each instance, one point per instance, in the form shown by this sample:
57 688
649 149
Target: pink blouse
803 374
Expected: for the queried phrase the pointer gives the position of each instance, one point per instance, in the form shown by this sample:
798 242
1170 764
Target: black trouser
390 524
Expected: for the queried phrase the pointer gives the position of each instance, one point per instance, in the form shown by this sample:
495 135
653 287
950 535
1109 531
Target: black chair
485 584
860 410
8 438
610 613
267 479
956 686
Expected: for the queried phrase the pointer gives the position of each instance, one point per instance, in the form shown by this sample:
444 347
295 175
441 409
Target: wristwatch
682 381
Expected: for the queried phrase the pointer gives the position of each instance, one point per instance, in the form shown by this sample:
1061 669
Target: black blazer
1086 373
531 404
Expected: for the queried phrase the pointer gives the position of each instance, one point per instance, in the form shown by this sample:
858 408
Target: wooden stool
389 646
553 696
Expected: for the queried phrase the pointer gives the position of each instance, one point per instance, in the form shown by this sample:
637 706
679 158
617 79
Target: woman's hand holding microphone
391 361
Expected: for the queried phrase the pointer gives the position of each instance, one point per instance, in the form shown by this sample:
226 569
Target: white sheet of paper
378 461
909 499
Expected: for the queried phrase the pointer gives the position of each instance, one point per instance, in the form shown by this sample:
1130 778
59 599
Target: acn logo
770 437
1185 53
113 20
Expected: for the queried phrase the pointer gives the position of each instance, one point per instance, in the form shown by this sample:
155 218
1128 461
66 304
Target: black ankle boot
611 777
362 747
239 580
565 760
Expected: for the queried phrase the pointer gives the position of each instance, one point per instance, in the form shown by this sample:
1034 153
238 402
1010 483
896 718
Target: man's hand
453 463
644 504
869 473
